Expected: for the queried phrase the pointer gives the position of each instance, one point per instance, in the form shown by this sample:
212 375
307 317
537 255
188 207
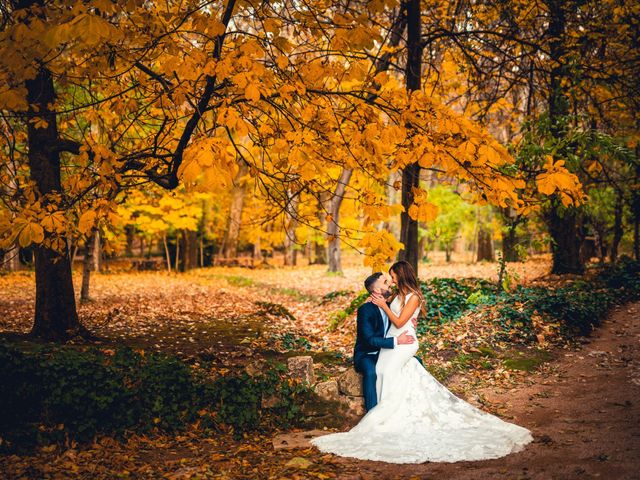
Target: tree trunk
130 235
618 229
392 198
230 242
485 245
97 252
510 238
565 225
320 254
177 259
290 255
55 313
320 245
89 263
509 243
201 251
635 210
11 258
189 240
566 232
411 173
257 251
166 251
422 248
333 228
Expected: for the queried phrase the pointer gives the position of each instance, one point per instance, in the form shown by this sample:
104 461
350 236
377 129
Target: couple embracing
411 417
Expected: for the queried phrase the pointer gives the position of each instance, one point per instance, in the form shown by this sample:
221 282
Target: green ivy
51 393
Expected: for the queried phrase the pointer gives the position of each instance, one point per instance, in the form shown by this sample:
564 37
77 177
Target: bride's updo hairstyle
407 282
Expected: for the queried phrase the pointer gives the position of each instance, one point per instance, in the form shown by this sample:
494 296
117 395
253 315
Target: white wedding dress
417 419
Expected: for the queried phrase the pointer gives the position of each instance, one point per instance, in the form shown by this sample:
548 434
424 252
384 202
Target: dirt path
585 418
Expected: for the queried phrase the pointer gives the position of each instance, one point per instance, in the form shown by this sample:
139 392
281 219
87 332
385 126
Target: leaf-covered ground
232 316
223 310
583 411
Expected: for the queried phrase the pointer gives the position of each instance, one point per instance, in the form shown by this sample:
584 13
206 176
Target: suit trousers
366 365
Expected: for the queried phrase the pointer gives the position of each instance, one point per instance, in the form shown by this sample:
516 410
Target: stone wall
346 388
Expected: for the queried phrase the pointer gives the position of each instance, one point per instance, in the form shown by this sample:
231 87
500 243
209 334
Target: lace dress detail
417 419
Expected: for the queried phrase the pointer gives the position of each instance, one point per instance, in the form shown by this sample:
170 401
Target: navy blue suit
370 338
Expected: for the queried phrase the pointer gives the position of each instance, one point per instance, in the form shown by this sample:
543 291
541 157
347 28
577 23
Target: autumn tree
102 97
569 65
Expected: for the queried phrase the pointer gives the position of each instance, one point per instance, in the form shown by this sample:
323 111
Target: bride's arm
405 313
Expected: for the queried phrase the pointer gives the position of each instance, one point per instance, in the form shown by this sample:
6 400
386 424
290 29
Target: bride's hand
378 300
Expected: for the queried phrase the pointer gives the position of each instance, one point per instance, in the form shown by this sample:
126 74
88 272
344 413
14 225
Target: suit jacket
371 334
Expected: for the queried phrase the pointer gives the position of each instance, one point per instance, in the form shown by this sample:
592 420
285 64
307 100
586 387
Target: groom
373 324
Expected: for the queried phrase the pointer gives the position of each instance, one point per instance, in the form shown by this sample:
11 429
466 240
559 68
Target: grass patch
293 293
526 362
439 372
238 280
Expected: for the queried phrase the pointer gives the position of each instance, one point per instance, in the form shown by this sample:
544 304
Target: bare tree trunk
510 238
257 251
177 259
201 252
389 225
333 227
11 259
130 235
89 263
166 251
422 247
230 242
320 246
97 252
189 239
411 173
635 210
618 229
205 228
290 255
485 245
566 232
320 254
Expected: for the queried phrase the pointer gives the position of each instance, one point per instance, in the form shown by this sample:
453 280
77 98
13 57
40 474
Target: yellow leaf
54 222
31 233
216 28
282 62
14 99
87 221
189 171
252 93
424 212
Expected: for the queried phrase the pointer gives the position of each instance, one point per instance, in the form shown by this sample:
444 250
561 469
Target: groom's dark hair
371 279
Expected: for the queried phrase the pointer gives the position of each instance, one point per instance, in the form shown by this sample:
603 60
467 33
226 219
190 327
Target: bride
417 419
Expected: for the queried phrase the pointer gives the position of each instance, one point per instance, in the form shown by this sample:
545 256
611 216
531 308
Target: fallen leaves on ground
231 316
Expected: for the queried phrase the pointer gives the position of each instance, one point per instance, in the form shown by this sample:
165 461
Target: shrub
51 393
577 307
